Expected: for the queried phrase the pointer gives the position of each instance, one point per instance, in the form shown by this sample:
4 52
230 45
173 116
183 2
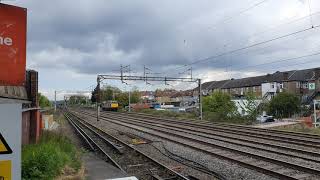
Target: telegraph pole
55 101
98 98
200 99
144 72
129 99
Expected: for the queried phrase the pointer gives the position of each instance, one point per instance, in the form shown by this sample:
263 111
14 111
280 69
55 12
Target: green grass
47 159
234 119
299 128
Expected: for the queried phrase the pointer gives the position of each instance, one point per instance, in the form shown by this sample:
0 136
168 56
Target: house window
281 85
297 85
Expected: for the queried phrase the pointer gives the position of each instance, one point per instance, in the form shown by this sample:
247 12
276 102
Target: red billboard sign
13 32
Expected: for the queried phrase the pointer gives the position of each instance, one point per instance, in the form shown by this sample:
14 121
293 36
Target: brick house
304 83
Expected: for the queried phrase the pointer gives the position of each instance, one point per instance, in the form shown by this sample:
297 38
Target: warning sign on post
4 147
10 141
5 170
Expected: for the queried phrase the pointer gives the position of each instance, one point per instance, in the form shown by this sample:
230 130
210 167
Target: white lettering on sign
5 41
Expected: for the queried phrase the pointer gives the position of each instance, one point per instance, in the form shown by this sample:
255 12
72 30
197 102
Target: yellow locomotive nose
114 105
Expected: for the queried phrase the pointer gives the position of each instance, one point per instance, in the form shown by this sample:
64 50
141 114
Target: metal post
55 101
200 98
121 72
144 72
315 113
98 98
129 100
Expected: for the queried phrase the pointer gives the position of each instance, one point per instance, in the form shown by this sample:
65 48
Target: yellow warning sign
5 170
4 147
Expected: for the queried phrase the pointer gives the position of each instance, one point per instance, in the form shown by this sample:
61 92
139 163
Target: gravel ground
244 136
229 170
230 127
298 161
252 150
255 145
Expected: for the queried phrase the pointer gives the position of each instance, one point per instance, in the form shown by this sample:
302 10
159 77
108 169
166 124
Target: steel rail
300 134
177 175
204 135
94 143
80 132
312 171
113 145
287 139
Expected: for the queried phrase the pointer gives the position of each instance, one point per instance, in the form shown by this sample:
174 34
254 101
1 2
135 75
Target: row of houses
303 83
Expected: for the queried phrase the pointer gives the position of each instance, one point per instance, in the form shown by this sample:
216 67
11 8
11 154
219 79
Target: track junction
277 154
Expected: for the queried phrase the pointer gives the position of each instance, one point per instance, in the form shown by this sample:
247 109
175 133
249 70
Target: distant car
265 118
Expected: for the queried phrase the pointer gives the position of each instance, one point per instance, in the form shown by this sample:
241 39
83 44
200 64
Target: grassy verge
48 158
299 128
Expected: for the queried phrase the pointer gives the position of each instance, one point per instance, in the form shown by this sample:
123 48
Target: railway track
306 140
207 133
179 134
126 158
307 155
207 123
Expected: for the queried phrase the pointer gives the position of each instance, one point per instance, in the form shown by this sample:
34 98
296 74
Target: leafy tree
109 93
123 97
106 93
94 95
44 101
77 100
219 106
114 93
251 106
284 105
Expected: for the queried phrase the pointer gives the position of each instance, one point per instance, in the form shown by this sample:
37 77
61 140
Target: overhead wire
262 50
248 47
237 14
257 34
276 61
274 27
311 21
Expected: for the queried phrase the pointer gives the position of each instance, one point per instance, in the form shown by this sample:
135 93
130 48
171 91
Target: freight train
110 106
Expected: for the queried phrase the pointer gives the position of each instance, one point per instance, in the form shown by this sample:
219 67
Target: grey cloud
161 34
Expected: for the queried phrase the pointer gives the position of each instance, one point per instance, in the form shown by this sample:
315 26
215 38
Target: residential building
304 83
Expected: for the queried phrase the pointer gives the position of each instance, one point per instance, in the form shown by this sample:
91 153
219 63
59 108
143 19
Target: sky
70 42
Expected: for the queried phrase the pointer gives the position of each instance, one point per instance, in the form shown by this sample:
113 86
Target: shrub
47 159
284 105
219 106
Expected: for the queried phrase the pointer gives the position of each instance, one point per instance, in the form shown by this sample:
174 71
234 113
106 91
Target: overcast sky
70 42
